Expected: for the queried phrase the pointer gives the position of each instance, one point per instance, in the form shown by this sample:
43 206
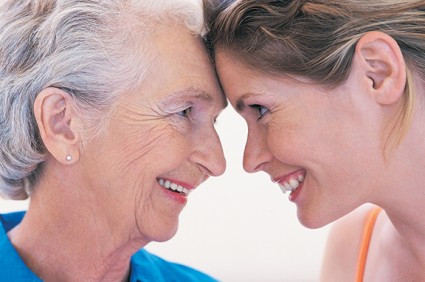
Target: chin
165 238
165 234
311 221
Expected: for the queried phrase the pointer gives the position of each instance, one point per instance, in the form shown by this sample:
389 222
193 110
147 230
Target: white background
240 227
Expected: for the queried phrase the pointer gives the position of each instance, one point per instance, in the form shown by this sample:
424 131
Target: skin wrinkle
133 118
97 231
89 215
190 94
147 210
148 147
176 96
111 224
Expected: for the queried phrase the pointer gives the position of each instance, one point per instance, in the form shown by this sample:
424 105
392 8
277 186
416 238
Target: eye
261 110
185 113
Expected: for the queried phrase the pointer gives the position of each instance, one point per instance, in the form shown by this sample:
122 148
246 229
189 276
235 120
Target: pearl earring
68 158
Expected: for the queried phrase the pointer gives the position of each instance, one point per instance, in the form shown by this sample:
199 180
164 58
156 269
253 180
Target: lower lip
181 199
295 194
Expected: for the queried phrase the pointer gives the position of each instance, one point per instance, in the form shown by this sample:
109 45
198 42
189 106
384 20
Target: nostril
256 160
251 168
214 168
250 162
205 170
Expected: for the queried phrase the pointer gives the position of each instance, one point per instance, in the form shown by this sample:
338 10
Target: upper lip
181 183
288 176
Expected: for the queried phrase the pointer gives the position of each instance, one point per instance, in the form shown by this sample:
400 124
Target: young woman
108 130
333 93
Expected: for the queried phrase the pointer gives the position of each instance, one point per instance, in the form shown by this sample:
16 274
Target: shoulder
343 245
10 220
149 267
12 267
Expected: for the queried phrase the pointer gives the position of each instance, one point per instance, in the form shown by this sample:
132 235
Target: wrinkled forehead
180 67
198 94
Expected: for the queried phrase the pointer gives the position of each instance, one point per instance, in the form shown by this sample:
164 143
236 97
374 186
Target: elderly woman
107 112
333 92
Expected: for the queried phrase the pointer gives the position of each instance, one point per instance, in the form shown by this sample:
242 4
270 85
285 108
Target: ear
384 66
55 116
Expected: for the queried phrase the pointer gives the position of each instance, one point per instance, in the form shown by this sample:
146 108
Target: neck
402 193
406 214
66 236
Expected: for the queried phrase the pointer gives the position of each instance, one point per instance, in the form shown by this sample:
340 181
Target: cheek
284 139
154 147
143 158
175 124
135 154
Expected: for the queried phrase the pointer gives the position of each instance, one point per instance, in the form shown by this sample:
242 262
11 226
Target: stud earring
68 158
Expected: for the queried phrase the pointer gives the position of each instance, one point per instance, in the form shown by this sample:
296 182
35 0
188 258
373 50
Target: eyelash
185 113
261 110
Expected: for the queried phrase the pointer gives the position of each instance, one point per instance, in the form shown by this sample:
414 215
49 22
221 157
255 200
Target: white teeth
282 188
173 186
294 183
291 185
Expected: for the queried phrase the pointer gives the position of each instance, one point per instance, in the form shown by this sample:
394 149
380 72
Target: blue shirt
144 266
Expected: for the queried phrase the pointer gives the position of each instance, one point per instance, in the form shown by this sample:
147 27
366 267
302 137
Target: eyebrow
196 94
240 104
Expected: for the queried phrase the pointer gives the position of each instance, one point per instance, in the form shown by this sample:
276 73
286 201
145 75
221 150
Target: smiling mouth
173 187
292 184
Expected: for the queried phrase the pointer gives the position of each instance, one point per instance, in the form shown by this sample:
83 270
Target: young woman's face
318 143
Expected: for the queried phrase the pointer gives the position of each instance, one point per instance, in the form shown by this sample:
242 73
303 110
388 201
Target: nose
257 154
208 153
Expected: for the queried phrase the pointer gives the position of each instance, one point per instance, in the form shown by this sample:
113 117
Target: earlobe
384 66
54 115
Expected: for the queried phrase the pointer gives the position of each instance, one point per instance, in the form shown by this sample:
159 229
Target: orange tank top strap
364 247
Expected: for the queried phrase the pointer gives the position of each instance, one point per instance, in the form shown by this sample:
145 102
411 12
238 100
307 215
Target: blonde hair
316 39
95 50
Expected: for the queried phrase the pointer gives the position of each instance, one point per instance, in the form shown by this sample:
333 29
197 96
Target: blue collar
12 266
144 266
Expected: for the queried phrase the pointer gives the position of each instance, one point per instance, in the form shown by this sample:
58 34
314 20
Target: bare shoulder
343 246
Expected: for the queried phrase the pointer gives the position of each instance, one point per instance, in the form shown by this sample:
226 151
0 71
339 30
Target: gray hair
95 50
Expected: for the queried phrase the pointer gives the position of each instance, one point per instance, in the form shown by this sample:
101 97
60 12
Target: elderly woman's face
161 142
